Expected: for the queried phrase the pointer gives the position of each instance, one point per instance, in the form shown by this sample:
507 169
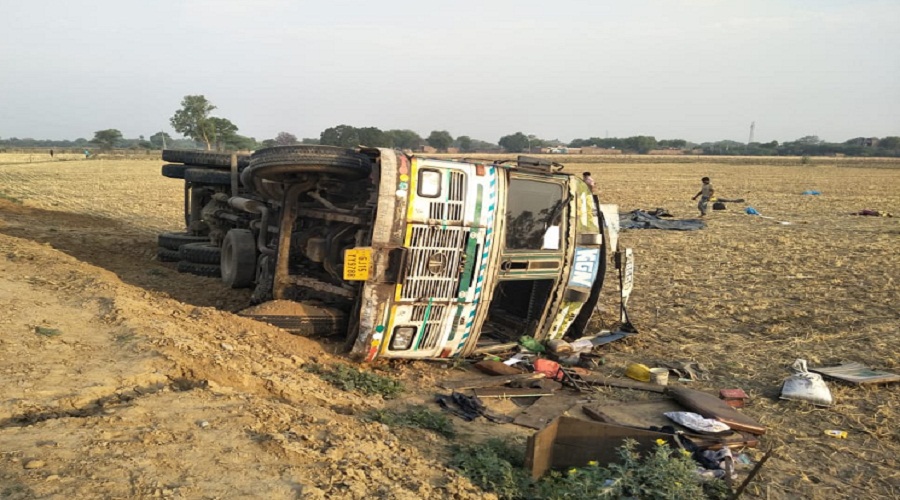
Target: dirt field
122 378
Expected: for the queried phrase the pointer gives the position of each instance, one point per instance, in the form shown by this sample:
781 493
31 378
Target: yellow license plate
358 264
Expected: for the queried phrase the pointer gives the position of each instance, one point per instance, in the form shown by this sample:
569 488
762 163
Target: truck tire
200 253
174 240
238 261
287 163
203 158
174 171
166 255
208 176
207 270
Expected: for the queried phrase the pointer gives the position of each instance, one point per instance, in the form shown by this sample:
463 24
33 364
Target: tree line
195 121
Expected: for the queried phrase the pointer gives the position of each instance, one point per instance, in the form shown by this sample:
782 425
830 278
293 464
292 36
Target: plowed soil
121 378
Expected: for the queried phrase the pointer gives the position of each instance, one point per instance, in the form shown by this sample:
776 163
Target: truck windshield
532 208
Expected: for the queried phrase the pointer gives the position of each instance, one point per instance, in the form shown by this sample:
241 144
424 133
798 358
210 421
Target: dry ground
198 403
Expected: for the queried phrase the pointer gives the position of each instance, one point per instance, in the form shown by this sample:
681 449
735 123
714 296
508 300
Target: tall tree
374 137
192 120
405 139
285 139
514 143
343 135
440 139
107 139
465 143
221 130
160 140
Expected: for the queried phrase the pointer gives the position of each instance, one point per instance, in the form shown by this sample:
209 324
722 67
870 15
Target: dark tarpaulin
639 219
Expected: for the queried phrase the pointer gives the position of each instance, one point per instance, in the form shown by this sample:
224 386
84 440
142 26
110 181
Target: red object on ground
734 398
548 368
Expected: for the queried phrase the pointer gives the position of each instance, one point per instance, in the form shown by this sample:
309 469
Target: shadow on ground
128 252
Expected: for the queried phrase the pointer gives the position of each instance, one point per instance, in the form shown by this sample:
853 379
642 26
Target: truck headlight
429 183
402 338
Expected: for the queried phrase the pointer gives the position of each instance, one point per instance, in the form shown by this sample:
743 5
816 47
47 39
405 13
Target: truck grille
453 208
431 325
434 256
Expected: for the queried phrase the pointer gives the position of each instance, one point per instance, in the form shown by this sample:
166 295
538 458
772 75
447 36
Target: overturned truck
407 257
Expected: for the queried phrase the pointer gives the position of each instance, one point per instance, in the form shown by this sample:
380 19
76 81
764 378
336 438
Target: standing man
706 192
590 182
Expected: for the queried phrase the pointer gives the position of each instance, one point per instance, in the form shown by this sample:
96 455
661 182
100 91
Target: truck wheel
238 258
174 240
166 255
287 163
208 270
174 171
203 158
200 253
208 176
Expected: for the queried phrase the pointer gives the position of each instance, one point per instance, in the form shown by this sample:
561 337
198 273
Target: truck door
531 259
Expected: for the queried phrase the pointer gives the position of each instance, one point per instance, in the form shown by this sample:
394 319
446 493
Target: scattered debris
478 382
873 213
544 411
686 370
697 422
659 376
836 433
496 368
856 373
639 219
638 371
710 406
468 408
511 392
594 379
811 192
804 385
735 398
571 442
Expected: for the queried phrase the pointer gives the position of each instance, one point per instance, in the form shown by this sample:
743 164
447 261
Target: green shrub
415 416
661 474
351 379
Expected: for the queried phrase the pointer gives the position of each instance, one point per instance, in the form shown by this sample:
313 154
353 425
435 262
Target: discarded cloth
874 213
750 211
811 192
697 422
468 408
639 219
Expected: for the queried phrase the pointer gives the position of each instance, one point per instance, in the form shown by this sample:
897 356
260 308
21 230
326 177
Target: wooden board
710 406
488 381
571 442
857 373
646 414
544 410
643 414
623 383
511 392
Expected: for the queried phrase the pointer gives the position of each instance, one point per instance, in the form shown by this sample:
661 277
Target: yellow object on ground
638 372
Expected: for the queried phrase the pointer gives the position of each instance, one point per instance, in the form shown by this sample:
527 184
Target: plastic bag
806 386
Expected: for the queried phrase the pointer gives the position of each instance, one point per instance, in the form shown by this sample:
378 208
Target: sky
700 70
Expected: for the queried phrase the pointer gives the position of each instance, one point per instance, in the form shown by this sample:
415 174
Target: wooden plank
544 411
478 382
646 414
623 383
857 373
511 392
710 406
